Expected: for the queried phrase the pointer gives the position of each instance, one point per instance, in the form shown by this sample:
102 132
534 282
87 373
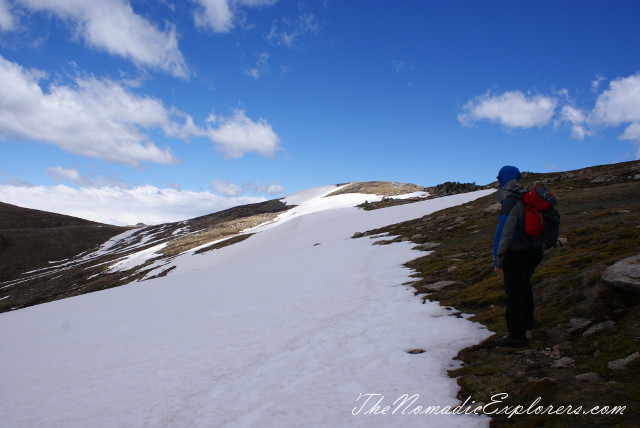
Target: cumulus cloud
617 105
261 67
220 15
94 118
236 135
227 188
7 20
511 109
121 206
577 120
620 104
112 26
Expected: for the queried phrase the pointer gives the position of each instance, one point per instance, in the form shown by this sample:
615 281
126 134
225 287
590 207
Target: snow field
273 331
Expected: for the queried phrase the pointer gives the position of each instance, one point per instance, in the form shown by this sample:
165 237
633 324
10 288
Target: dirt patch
382 188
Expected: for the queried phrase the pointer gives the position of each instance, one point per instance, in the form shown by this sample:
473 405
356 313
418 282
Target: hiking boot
512 342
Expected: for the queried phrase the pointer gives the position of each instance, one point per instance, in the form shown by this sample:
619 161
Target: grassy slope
29 239
601 222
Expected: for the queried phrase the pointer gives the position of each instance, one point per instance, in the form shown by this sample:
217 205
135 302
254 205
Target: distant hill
46 256
30 239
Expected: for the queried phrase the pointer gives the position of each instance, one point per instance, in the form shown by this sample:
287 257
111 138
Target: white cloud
121 206
632 132
219 15
227 188
595 84
234 136
511 109
72 175
270 189
63 174
112 26
261 67
620 103
7 20
577 119
293 32
95 118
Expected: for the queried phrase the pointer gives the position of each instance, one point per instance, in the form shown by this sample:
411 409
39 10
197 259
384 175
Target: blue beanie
508 173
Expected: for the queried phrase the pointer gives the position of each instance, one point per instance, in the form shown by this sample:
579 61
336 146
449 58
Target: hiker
515 255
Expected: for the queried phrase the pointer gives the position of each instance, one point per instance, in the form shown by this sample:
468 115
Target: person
514 255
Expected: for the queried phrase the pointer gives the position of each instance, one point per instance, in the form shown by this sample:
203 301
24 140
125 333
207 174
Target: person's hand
496 270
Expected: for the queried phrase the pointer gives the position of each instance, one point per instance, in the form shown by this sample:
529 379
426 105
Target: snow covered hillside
290 327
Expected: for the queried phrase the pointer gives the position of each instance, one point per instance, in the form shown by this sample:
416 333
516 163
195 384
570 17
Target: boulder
624 274
622 362
562 363
576 324
606 325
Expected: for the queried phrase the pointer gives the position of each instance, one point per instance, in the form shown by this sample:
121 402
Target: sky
127 111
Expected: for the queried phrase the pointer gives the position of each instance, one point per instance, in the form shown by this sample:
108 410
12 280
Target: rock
562 241
492 209
624 274
417 237
607 325
623 212
436 286
603 179
427 246
459 220
622 362
551 180
636 177
588 377
563 363
576 324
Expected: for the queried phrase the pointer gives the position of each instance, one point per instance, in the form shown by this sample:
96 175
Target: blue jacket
509 234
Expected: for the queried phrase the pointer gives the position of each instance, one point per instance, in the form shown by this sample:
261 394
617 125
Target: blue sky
127 110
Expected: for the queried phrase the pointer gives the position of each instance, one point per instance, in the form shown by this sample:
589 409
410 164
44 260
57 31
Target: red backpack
541 219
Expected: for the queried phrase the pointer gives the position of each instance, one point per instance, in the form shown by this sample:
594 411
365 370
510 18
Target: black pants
518 268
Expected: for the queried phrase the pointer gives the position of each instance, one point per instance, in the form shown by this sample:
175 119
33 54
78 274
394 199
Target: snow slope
285 329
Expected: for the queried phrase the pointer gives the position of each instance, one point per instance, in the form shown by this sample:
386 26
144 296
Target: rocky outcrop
624 275
453 188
